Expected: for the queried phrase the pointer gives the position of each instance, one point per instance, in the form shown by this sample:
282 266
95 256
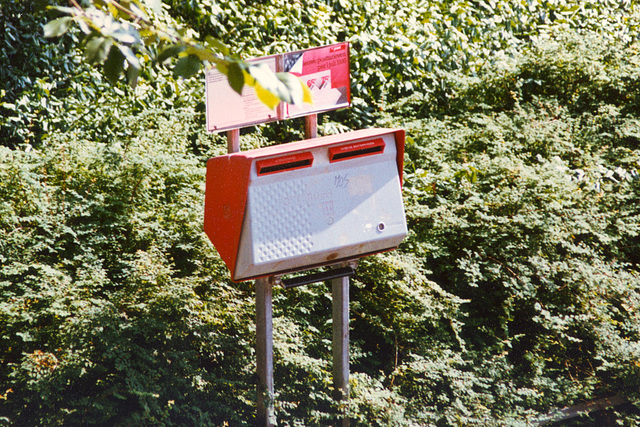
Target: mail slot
306 204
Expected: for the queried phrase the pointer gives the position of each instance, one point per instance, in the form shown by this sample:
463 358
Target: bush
516 293
113 304
529 213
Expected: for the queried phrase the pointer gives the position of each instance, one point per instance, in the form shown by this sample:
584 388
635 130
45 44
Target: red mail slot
284 163
359 149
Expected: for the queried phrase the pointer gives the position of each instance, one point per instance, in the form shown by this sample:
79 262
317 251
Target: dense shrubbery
29 64
516 293
106 314
528 210
397 49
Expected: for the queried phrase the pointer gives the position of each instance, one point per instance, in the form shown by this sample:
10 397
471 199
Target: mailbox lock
380 227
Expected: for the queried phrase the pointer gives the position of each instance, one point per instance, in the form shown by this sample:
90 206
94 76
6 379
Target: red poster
325 71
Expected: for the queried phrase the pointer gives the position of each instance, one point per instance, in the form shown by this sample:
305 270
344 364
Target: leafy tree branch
123 36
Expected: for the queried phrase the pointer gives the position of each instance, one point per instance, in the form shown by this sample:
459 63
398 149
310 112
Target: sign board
226 109
306 204
325 71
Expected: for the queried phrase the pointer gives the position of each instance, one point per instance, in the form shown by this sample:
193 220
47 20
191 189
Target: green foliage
516 293
530 214
402 48
27 64
117 34
107 313
397 51
47 87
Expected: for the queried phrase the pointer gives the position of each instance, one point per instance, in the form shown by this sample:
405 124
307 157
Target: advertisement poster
226 109
325 71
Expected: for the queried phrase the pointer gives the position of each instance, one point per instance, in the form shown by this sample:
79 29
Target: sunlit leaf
113 10
269 81
155 5
291 89
97 49
307 96
57 27
268 98
126 34
132 59
139 10
64 9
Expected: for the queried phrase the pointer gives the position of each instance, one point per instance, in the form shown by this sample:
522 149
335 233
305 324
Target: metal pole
340 294
264 352
340 312
264 329
233 141
311 126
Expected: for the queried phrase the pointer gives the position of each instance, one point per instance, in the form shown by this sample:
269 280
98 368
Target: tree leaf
63 9
57 27
114 65
269 81
223 67
131 57
138 9
202 53
267 97
307 96
126 34
155 5
83 24
132 75
97 49
169 52
291 89
235 74
217 45
187 66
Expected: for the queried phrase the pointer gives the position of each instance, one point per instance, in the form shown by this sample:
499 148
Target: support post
233 140
340 296
340 313
311 126
264 352
264 329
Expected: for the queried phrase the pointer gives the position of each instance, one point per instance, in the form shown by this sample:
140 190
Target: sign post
311 126
264 351
340 315
233 141
340 343
264 328
305 197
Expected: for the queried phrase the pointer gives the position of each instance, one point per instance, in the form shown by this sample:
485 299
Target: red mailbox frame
228 176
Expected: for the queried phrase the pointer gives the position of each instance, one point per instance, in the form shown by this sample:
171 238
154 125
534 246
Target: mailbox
306 204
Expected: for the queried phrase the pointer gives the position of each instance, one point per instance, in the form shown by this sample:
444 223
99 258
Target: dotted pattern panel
281 223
